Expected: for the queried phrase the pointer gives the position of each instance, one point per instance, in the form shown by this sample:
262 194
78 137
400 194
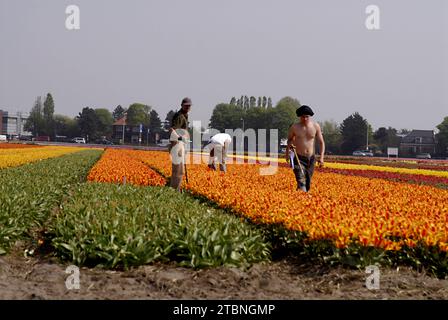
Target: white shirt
221 138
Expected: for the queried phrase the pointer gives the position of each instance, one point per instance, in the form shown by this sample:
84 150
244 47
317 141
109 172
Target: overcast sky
158 51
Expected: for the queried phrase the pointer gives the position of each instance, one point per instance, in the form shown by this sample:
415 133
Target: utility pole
140 135
124 124
242 140
367 144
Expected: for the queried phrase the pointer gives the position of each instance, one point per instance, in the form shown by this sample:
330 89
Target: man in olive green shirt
178 137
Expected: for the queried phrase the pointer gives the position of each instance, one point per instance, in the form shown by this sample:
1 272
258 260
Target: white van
164 143
3 138
79 140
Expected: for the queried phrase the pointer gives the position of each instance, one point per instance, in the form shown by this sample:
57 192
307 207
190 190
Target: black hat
304 110
186 101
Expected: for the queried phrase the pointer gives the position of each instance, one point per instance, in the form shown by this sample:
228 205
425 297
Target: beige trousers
177 175
177 170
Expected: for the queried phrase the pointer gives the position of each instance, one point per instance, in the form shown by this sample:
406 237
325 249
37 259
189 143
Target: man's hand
289 148
321 162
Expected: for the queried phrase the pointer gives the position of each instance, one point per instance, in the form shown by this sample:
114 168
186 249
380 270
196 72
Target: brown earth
44 278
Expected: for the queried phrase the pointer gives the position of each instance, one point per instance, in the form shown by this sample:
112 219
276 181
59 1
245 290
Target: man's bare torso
304 136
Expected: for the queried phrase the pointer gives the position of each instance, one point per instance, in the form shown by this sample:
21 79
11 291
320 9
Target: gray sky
156 52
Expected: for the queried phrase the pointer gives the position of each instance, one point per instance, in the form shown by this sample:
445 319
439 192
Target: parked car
363 153
424 156
61 138
42 138
12 137
79 140
359 153
3 138
104 141
26 138
164 143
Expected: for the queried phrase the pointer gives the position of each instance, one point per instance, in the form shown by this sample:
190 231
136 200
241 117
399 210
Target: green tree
65 126
155 122
88 123
226 116
269 102
283 115
168 118
332 136
385 138
393 140
155 125
105 122
354 133
252 102
256 118
118 112
265 102
194 132
35 122
246 102
442 138
48 112
380 136
138 114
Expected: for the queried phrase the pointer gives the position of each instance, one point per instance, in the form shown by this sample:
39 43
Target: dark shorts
304 174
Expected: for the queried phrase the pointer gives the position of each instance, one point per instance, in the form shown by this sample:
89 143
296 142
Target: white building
12 123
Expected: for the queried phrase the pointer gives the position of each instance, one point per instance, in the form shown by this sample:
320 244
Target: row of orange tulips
119 166
18 146
346 209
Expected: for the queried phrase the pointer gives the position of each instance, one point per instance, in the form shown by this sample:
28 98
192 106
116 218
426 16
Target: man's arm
290 139
320 139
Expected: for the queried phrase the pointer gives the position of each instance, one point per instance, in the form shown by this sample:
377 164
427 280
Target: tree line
246 112
92 123
354 133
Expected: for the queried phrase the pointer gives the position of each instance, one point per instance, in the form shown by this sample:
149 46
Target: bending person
218 146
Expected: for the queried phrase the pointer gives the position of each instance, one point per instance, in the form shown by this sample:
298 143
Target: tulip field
344 208
121 212
352 206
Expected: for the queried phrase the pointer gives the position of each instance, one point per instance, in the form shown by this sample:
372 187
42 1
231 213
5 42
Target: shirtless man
301 137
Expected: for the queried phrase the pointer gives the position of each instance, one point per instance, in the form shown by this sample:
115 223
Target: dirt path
44 278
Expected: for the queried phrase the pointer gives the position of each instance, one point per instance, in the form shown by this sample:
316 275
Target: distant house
122 132
418 141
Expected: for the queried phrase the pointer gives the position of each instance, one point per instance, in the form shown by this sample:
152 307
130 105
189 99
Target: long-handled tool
302 179
185 164
186 172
